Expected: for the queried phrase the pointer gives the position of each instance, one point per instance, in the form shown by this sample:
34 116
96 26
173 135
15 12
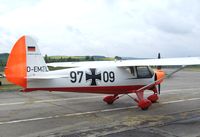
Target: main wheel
153 98
144 104
109 99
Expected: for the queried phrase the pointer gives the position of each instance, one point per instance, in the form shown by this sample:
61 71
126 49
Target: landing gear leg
153 98
110 99
144 104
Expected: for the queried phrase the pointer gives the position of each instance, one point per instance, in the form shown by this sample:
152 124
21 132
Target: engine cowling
160 74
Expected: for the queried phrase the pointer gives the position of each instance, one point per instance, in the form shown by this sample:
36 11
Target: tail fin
24 60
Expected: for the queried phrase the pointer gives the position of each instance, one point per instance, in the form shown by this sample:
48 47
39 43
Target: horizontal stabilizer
47 77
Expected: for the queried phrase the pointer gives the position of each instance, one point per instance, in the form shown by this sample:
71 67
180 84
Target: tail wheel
144 104
153 98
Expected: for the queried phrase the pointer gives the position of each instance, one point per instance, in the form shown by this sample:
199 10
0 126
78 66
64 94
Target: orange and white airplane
27 68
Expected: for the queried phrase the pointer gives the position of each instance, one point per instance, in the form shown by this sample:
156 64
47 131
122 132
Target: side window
143 72
132 71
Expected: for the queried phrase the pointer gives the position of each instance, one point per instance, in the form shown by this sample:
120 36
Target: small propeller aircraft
27 68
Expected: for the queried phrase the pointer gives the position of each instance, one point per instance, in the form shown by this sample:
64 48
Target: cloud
136 28
173 19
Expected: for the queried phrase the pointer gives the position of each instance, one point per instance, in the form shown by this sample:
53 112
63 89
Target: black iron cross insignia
93 77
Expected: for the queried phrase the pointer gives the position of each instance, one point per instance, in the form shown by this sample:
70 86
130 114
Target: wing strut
157 81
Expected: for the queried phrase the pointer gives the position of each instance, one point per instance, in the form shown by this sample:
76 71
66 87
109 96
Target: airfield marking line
99 111
66 115
185 89
89 112
79 98
181 100
48 100
14 103
65 99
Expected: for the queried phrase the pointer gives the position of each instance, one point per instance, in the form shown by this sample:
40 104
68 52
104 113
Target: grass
106 59
193 68
81 58
73 57
56 68
7 86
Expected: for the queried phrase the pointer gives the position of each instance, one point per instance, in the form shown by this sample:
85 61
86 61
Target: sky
128 28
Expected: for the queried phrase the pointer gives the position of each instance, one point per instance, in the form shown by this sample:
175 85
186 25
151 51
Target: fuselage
109 80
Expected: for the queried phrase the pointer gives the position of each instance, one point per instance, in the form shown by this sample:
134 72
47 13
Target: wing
163 62
125 63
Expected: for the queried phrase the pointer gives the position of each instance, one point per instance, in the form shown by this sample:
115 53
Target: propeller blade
159 56
159 87
159 68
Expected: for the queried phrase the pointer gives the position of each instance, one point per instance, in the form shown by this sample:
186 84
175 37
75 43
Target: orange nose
160 74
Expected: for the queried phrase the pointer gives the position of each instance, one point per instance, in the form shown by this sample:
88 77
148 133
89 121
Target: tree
87 58
46 58
69 59
92 58
118 58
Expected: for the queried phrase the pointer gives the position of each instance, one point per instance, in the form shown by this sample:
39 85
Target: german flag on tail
31 49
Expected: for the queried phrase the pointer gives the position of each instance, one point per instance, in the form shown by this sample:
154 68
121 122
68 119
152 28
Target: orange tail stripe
15 70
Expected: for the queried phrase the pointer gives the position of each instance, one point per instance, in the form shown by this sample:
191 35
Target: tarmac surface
59 114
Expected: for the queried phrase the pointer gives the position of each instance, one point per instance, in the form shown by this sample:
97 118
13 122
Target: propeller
159 68
159 87
159 57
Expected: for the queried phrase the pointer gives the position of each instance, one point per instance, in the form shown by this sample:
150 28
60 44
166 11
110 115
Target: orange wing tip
15 69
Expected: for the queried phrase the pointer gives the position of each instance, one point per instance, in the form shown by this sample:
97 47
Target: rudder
24 60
